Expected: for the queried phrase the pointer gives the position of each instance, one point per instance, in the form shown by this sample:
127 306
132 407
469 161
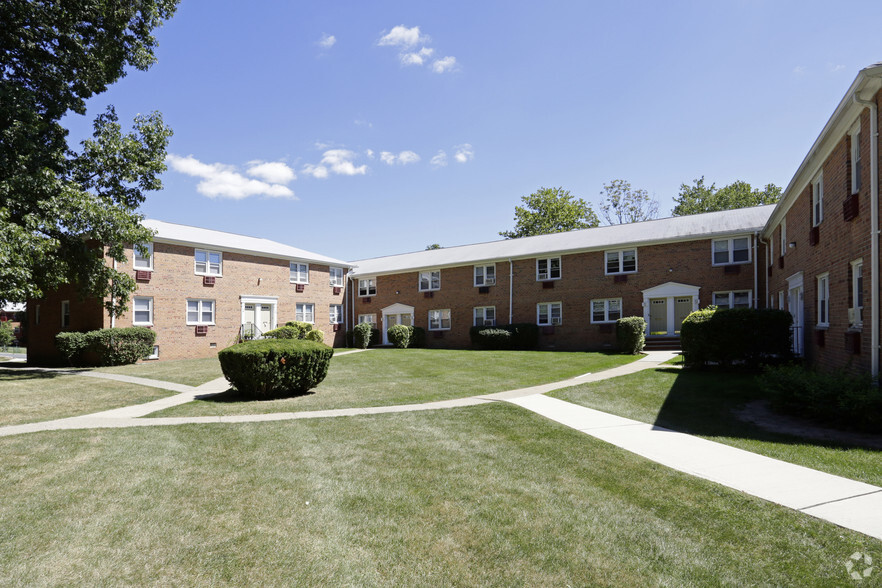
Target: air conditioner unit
208 280
543 276
298 287
489 323
490 282
337 290
142 275
201 329
555 321
855 316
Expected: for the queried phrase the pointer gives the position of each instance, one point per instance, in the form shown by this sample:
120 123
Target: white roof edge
798 181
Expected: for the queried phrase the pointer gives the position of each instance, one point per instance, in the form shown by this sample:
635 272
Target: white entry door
390 320
257 318
795 306
658 316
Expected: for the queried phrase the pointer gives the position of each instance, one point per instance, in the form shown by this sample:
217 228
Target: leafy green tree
7 334
433 246
551 210
622 204
699 198
58 207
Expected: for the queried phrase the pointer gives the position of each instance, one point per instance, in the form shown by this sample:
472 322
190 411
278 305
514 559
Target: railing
249 332
797 344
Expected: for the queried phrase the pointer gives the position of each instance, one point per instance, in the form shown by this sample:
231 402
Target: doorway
258 316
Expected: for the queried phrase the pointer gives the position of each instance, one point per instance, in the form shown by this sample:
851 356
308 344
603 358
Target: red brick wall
85 315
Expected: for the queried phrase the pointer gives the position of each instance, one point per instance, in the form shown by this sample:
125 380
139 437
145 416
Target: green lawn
702 403
191 372
27 397
481 496
380 377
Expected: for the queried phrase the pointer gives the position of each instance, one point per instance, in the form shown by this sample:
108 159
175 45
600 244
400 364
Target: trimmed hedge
837 398
272 368
631 334
361 335
399 336
285 332
734 335
417 337
518 336
106 346
316 335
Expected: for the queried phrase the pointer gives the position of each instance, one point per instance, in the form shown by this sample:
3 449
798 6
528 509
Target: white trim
339 313
149 266
621 261
331 278
429 276
730 245
208 272
372 322
549 312
548 269
818 199
485 281
855 157
369 283
670 291
483 312
298 312
154 354
65 314
441 312
606 310
855 309
783 236
200 310
730 295
300 275
823 295
149 321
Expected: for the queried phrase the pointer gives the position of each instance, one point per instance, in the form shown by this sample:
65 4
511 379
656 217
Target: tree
433 246
700 198
551 210
621 204
59 207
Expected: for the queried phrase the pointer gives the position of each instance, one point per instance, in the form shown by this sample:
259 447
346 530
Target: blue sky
359 129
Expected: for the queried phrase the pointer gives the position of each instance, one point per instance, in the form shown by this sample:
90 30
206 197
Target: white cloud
440 159
403 158
223 181
369 153
359 122
336 161
836 68
800 69
401 36
464 153
327 41
274 172
444 64
387 158
417 58
322 145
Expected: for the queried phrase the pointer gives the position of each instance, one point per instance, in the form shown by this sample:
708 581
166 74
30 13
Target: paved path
848 503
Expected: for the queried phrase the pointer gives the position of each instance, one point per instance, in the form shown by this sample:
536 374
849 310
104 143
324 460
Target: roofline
820 149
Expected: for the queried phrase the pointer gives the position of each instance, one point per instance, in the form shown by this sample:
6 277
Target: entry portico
396 314
666 306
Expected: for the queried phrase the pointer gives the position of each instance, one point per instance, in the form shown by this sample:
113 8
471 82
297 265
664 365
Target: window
142 311
336 274
857 293
367 287
485 275
439 320
200 312
305 312
368 318
65 314
153 354
781 299
824 300
548 313
856 159
548 269
208 263
783 236
734 299
606 311
818 200
485 316
143 257
299 273
430 280
735 250
336 314
621 262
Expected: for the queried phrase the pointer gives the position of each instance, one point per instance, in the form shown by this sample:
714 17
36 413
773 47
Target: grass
27 397
382 377
13 349
703 403
191 372
484 496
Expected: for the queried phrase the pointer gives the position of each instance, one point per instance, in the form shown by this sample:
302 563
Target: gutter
874 234
768 263
510 289
755 275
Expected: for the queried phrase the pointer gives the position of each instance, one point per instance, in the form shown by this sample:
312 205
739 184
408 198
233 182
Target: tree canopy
59 206
622 204
551 210
699 198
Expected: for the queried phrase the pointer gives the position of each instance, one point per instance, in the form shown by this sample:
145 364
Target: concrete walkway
848 503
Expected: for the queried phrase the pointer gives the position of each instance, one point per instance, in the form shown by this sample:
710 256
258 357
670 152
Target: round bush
361 335
631 334
285 332
316 335
273 368
399 336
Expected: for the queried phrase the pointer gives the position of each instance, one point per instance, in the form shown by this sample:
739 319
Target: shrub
7 335
361 335
417 337
743 335
399 336
285 332
72 346
301 327
523 335
316 335
107 346
268 368
631 334
490 338
837 398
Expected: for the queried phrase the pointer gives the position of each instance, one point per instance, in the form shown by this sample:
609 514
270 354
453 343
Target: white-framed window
336 314
336 276
143 257
857 293
65 314
299 273
367 287
142 310
732 250
783 236
430 280
484 316
200 312
485 275
623 261
208 263
606 310
368 318
305 312
732 299
856 158
824 300
154 354
818 200
439 320
548 269
548 313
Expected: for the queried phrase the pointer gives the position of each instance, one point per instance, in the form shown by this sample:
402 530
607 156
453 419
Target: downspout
874 234
755 263
511 289
113 299
768 263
